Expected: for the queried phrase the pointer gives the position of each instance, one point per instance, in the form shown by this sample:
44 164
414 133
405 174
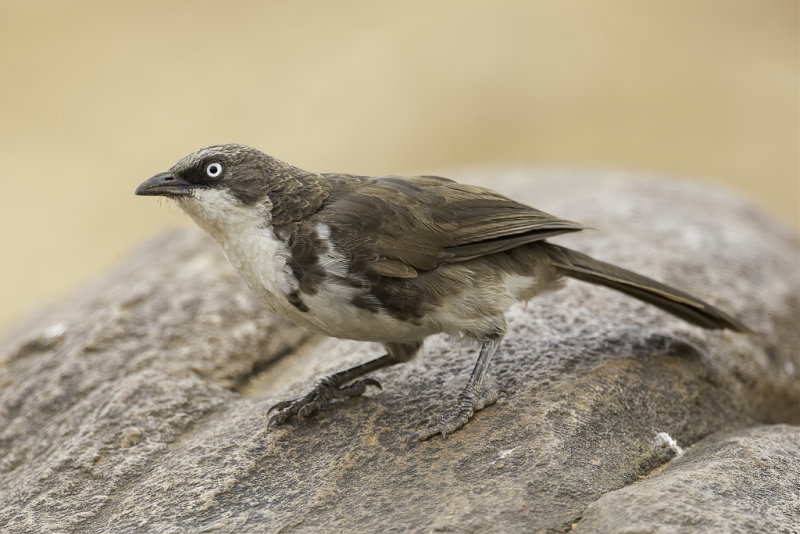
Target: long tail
674 301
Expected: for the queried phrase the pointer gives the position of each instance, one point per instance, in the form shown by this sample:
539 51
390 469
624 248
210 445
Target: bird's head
237 170
221 184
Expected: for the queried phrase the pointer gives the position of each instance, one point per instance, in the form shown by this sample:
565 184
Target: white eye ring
213 170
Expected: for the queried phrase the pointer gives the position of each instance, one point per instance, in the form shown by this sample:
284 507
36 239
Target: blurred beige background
98 96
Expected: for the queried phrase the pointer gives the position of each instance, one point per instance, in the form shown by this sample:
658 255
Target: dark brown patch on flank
366 302
295 300
305 246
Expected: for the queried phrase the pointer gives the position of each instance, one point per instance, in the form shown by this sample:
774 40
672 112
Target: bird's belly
263 264
337 316
477 294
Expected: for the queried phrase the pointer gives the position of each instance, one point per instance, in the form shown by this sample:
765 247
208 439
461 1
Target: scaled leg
340 385
469 401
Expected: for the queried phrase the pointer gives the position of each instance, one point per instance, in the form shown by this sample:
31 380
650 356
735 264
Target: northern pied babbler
390 259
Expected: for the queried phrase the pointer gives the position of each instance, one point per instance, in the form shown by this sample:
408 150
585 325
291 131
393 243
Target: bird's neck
295 195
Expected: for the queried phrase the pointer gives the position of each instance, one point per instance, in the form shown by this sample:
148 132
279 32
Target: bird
391 260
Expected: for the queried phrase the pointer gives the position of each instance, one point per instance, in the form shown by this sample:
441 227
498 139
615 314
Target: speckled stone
138 404
744 481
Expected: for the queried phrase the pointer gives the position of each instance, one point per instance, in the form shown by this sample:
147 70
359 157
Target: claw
371 382
326 390
272 420
417 436
278 406
467 404
424 421
306 411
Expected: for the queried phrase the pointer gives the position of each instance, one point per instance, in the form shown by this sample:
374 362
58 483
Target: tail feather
674 301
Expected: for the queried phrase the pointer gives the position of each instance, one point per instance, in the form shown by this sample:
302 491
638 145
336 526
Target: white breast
248 241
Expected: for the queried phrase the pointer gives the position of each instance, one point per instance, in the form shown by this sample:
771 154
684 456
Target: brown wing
398 226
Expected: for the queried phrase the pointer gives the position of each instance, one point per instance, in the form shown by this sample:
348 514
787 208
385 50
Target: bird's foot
467 404
326 390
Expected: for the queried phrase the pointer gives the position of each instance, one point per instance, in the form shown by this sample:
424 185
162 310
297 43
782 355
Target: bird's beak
165 184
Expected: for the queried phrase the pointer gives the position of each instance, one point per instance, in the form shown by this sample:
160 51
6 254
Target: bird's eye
213 170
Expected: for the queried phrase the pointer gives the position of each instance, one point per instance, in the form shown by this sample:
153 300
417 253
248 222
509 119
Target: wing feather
398 226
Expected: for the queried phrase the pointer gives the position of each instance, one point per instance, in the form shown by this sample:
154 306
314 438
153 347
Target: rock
744 481
138 404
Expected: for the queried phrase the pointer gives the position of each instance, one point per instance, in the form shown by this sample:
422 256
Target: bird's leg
331 387
469 401
336 385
